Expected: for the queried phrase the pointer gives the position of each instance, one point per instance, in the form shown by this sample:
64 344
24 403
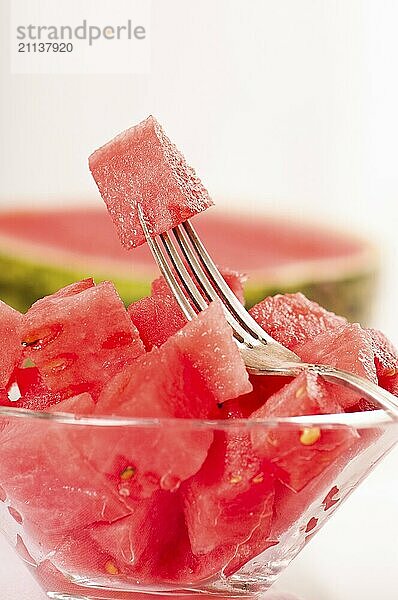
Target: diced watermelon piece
46 480
230 497
79 341
299 457
264 386
348 348
150 546
386 361
187 377
201 361
11 349
158 316
139 542
34 394
142 166
83 404
65 292
292 319
106 550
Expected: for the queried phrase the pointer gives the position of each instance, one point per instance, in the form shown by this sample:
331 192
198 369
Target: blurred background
282 106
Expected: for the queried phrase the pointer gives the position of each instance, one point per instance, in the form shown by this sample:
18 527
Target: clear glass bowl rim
357 420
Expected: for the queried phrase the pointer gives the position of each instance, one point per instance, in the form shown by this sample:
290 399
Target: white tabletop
354 557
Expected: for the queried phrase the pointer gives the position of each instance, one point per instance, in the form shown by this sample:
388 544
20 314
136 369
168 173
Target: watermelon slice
41 251
11 349
80 337
181 379
158 316
141 166
291 319
299 457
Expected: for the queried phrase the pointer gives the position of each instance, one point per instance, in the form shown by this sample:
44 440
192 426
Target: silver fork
261 353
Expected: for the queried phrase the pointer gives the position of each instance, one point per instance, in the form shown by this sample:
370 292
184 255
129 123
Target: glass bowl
110 508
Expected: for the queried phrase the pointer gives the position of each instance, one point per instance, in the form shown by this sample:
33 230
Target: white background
286 105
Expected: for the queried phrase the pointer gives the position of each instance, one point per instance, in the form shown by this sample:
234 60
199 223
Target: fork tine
166 270
243 334
228 297
183 274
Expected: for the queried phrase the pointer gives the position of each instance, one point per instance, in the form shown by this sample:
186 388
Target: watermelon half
42 251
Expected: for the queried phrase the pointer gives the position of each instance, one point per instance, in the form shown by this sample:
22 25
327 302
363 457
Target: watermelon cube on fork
141 165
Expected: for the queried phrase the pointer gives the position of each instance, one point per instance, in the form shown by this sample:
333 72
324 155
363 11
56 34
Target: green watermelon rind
22 281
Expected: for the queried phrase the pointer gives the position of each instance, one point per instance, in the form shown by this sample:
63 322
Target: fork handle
367 388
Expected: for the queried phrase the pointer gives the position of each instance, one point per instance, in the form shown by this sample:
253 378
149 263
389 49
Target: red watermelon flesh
227 499
104 549
79 341
182 379
201 361
142 166
321 492
49 484
149 546
386 361
264 386
348 348
158 316
298 457
292 319
146 543
65 292
34 394
83 404
11 349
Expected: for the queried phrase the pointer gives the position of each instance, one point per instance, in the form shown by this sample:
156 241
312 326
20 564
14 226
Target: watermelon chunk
298 457
11 349
66 292
33 394
348 348
149 546
386 361
80 337
263 388
181 379
141 165
230 497
83 404
158 316
292 319
202 367
131 546
53 489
